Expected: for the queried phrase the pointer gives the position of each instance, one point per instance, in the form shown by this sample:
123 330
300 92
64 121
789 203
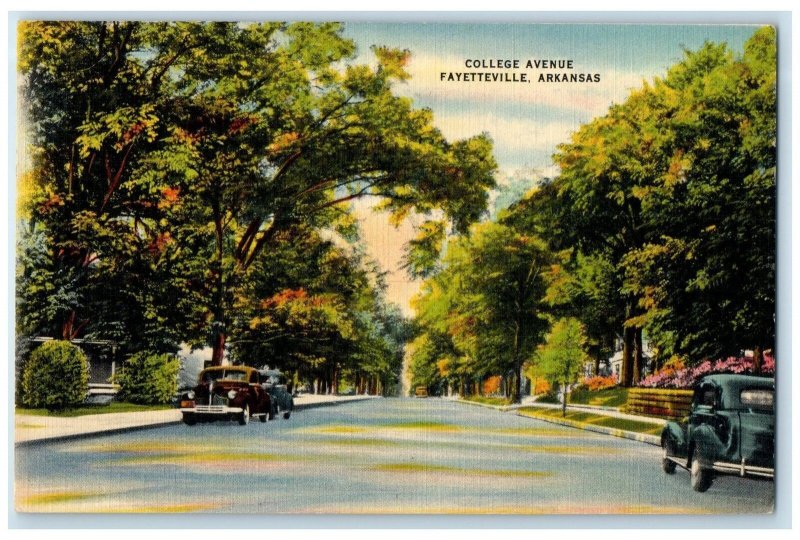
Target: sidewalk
604 411
29 429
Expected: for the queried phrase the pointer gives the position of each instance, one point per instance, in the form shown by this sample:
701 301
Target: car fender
705 443
673 432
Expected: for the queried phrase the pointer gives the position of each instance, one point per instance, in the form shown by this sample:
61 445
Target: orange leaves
169 196
293 295
492 384
283 142
240 124
160 243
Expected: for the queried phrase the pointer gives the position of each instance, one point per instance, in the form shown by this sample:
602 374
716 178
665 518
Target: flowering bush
686 377
599 383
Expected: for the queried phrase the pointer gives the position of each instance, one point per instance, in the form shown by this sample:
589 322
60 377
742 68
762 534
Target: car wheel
667 465
245 416
272 411
700 477
263 418
287 414
189 419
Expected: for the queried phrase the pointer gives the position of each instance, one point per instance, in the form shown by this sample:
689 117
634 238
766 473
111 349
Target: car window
757 399
225 374
709 397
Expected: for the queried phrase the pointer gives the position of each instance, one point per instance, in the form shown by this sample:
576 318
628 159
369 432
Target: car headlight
190 395
232 394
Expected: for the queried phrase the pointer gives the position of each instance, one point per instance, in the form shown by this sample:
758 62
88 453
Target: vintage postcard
395 268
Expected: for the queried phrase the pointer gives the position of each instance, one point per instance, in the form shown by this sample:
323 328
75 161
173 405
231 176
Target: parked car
730 430
421 392
276 384
227 392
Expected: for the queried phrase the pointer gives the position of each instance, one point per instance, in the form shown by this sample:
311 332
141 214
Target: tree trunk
758 359
564 399
218 354
596 364
638 356
628 339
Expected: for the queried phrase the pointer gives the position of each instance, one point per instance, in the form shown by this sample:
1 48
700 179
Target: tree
487 300
561 358
205 141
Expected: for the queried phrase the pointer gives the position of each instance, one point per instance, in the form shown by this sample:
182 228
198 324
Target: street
377 456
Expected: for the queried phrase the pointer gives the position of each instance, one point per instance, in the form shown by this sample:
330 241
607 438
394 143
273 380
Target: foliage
687 377
560 359
148 379
491 385
664 211
599 382
55 377
168 159
482 313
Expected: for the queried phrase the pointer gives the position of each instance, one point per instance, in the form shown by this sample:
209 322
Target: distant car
730 430
227 392
421 392
276 384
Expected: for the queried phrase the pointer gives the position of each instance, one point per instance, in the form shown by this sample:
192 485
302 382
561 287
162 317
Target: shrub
550 397
491 385
686 377
540 386
55 377
596 383
148 379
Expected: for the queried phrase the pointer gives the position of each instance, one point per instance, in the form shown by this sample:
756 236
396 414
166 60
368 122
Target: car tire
263 418
667 465
272 411
701 477
244 418
189 419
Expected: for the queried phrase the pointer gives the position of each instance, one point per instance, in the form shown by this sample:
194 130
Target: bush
550 397
670 377
148 379
593 384
55 377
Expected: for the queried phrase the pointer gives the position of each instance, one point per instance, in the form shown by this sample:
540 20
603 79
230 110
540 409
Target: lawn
609 397
488 400
595 419
83 410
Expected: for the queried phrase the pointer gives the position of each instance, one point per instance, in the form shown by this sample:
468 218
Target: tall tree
212 138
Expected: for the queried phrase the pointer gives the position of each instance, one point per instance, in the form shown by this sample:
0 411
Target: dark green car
730 430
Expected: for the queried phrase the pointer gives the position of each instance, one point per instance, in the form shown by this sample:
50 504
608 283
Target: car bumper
211 410
742 469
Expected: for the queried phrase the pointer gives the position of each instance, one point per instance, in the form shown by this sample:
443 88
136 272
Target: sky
526 120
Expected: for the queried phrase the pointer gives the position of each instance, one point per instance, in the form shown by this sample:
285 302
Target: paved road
381 456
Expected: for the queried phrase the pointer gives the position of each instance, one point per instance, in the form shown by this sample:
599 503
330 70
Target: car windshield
757 399
224 374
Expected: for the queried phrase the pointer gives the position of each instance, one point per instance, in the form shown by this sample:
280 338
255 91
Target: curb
501 408
632 435
126 429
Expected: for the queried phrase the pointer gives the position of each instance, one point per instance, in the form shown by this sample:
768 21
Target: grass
489 400
84 410
425 425
595 419
608 397
425 468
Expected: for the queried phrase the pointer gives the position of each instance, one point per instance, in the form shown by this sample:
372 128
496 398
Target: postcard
395 268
